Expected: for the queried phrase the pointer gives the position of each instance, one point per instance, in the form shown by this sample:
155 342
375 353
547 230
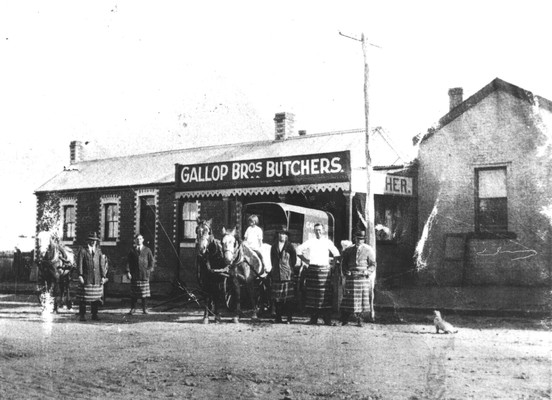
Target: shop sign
392 184
400 185
276 171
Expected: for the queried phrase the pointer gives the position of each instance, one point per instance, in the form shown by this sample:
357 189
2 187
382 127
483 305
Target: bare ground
170 354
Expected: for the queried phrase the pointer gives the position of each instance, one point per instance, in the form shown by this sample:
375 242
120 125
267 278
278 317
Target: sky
138 76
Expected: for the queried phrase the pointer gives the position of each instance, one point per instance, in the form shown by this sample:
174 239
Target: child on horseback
253 236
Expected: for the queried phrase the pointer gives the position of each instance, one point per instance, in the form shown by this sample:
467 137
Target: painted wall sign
276 171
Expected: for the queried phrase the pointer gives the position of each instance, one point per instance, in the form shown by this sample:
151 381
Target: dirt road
170 354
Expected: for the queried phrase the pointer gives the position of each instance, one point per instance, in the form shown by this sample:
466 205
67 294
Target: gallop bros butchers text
252 170
332 166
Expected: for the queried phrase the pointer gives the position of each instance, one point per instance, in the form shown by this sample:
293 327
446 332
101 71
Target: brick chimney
76 149
455 96
284 125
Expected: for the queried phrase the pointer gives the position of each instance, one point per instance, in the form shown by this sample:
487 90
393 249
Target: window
296 223
189 220
391 220
109 219
68 219
491 212
111 213
69 222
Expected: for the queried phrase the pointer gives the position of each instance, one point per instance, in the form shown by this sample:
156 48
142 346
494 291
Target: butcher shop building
298 175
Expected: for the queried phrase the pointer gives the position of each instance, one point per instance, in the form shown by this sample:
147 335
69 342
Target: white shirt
254 237
317 250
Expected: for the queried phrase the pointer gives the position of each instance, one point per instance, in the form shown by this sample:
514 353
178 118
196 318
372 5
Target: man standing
315 252
283 258
92 275
358 265
139 268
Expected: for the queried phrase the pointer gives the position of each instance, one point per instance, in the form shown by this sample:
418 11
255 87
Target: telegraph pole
369 205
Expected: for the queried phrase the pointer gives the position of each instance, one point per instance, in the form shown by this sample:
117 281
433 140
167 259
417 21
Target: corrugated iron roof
159 168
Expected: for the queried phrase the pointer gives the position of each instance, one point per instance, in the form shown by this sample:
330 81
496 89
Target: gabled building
485 191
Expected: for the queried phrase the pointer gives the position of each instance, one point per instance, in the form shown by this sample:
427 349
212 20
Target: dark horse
245 268
212 272
55 264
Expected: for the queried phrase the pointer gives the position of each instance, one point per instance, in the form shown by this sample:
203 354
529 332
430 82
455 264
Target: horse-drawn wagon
299 222
228 265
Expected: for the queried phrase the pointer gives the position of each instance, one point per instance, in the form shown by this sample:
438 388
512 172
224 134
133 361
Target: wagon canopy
299 221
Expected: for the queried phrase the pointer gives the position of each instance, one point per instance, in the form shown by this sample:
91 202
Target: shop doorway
147 221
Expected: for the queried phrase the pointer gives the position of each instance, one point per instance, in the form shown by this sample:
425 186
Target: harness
239 258
210 255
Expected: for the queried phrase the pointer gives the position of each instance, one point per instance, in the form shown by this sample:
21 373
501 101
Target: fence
15 266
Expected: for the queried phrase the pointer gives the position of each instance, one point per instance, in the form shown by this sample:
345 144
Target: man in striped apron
283 258
358 263
315 252
92 276
139 268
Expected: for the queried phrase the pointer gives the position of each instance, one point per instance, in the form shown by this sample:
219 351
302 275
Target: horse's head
203 235
47 246
230 245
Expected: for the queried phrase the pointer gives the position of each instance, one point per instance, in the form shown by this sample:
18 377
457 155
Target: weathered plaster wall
499 130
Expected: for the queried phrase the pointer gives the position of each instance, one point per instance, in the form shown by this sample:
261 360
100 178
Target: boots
94 308
82 311
144 306
288 310
344 318
313 319
328 318
278 307
132 306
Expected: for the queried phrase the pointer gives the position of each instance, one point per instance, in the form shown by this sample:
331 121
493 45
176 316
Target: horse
244 267
55 264
212 272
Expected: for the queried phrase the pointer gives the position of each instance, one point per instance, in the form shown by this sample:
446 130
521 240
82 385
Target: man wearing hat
283 258
139 268
358 264
92 272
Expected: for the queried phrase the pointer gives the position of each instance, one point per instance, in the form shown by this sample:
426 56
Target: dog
441 324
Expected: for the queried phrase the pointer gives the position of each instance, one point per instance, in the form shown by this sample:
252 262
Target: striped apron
139 289
282 292
356 294
90 293
318 286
